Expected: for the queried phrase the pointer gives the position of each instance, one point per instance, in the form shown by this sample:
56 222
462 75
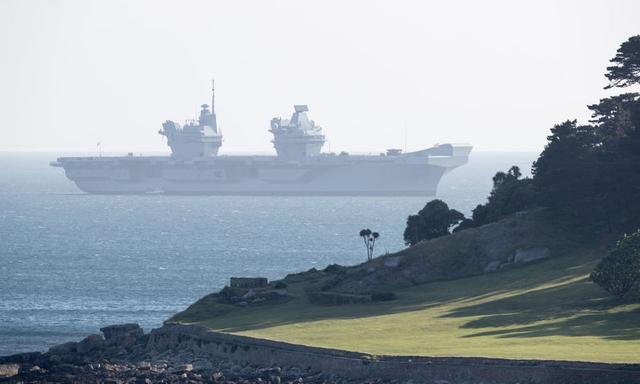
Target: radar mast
213 96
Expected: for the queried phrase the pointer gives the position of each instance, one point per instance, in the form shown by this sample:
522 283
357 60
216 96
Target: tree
565 172
588 174
591 173
626 68
369 239
619 271
434 220
510 194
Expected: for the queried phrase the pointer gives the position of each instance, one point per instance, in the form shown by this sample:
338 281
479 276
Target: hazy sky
496 74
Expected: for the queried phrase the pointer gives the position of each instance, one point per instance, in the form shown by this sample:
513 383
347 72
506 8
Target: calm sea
71 263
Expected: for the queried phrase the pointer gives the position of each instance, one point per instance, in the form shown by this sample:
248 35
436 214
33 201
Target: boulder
90 343
26 357
63 349
125 335
249 295
531 254
122 330
492 266
392 262
181 368
9 370
202 365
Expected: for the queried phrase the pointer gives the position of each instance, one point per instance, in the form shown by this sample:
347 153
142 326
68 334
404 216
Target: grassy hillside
546 310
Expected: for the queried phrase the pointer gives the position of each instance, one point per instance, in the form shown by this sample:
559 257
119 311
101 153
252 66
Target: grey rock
55 359
269 371
492 266
9 370
122 330
181 368
90 343
63 349
529 255
392 262
20 358
202 365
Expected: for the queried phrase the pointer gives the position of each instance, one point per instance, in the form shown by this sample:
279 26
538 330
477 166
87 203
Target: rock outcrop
124 355
522 238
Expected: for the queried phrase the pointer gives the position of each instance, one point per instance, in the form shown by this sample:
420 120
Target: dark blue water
71 263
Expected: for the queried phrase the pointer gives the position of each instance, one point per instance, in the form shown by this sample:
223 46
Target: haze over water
72 263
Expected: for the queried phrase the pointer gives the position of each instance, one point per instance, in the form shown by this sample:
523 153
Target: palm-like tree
369 238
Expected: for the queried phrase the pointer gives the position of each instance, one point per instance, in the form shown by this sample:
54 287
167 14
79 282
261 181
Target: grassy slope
548 310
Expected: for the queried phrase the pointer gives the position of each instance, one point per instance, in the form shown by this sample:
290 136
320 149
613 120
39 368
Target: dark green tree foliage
620 270
625 70
434 220
591 173
617 165
587 173
564 173
510 194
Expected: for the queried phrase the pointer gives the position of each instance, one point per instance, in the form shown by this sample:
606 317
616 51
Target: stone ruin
243 291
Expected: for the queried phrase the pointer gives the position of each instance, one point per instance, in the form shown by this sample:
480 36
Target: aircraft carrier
299 168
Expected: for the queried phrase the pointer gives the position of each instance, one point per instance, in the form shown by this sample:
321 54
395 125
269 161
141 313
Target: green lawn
548 310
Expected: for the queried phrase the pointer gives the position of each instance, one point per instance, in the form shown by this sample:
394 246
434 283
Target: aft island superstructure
299 167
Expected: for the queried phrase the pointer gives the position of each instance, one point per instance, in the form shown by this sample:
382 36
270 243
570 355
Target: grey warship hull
416 173
299 167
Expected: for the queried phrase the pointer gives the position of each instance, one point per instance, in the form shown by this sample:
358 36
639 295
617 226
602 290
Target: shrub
620 269
434 220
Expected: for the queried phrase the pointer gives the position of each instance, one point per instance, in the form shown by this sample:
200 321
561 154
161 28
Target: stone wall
356 365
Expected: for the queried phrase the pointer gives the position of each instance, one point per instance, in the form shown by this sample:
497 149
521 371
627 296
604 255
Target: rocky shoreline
190 354
121 356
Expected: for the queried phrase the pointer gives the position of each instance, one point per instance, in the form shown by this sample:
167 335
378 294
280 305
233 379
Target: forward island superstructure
299 167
